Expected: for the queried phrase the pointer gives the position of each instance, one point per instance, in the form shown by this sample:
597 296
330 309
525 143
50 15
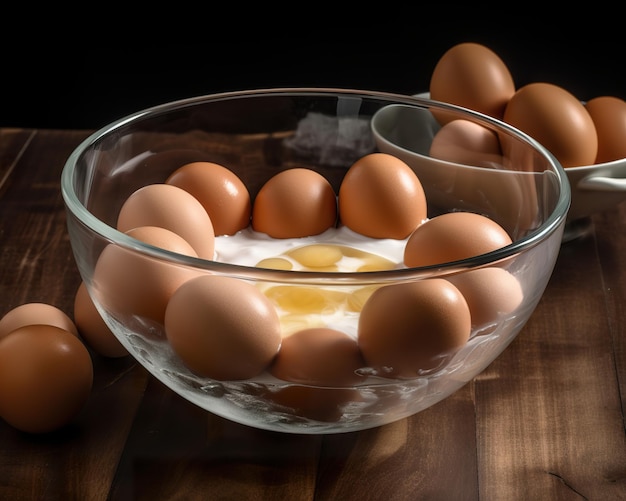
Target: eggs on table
228 328
576 133
46 372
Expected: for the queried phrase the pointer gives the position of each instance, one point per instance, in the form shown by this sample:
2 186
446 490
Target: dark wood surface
544 421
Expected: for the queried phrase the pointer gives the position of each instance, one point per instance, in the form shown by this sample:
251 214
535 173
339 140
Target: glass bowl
330 385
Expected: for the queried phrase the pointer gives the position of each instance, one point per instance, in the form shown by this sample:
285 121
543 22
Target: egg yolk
302 304
327 257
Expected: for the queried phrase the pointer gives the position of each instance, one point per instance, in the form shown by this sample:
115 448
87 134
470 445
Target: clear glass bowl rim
554 221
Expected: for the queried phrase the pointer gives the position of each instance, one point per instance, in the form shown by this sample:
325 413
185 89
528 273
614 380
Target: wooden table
544 421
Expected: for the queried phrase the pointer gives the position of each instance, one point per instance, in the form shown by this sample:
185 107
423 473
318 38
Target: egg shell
326 361
490 293
296 202
220 191
473 76
380 196
128 283
92 327
465 142
319 356
163 239
173 208
222 327
46 376
557 119
609 117
453 236
405 329
35 314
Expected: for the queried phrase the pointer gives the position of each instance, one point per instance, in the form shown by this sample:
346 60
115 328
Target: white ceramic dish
408 133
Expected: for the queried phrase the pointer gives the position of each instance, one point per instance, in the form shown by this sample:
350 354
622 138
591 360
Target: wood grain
544 421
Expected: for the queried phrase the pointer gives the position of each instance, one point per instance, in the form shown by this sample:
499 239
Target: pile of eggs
229 328
46 371
475 77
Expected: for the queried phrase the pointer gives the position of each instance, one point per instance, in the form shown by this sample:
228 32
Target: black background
85 79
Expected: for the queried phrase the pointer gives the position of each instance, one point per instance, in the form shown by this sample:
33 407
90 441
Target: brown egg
328 361
490 293
557 119
609 117
381 197
453 236
130 284
466 142
473 76
35 314
319 356
405 329
220 191
163 239
46 376
92 328
295 203
222 327
173 208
